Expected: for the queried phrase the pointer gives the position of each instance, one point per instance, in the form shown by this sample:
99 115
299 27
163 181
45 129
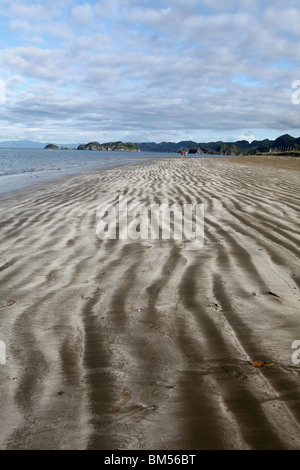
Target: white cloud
35 62
82 16
151 67
249 136
30 12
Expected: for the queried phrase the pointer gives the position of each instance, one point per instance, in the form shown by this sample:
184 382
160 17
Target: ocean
23 168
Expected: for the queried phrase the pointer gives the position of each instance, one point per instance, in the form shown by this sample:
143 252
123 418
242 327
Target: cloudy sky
74 71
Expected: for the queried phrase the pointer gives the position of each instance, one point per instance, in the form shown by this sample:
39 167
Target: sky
76 71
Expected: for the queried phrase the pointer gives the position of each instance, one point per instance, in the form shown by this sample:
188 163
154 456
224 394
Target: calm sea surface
22 168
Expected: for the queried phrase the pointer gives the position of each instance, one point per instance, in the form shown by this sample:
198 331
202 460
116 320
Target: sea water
22 168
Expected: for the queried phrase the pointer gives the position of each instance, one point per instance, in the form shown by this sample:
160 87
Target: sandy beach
142 344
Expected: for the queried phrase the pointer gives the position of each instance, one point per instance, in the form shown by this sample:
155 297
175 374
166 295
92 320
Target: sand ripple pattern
142 344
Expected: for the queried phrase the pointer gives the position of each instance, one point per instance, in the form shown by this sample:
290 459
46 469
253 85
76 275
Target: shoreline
272 160
39 185
58 178
141 344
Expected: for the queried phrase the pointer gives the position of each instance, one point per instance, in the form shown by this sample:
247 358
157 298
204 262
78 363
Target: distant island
110 146
55 147
51 147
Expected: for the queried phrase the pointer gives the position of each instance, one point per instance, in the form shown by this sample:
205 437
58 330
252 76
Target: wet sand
142 344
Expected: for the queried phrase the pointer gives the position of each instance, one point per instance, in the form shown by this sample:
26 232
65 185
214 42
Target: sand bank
123 344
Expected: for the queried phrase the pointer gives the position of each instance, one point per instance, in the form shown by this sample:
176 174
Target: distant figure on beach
185 153
181 153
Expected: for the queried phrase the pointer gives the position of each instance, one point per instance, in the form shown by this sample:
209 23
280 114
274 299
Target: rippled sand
142 344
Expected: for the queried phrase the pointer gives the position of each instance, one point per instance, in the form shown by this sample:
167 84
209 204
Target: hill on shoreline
284 143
